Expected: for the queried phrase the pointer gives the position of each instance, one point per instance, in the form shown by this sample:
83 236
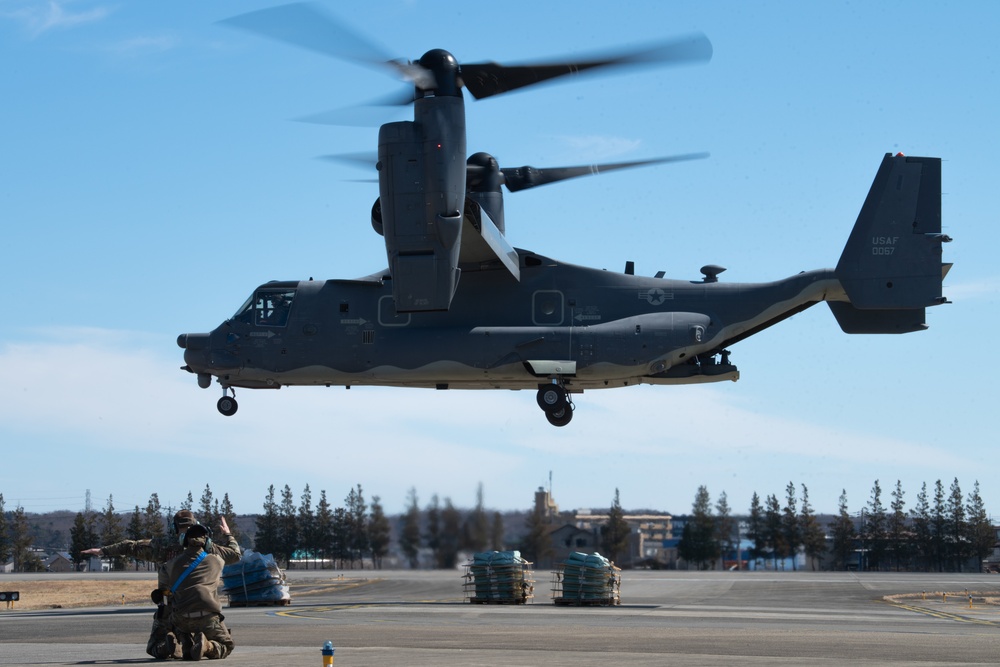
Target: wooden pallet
261 603
577 602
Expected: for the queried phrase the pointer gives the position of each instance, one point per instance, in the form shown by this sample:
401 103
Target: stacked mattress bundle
255 580
587 580
499 577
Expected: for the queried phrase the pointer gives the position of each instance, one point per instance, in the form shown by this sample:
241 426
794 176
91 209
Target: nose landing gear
227 404
554 400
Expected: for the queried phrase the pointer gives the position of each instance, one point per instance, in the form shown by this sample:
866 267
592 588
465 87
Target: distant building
59 562
580 531
545 505
650 533
992 562
569 539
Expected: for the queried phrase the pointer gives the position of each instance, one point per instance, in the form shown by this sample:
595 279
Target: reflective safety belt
185 573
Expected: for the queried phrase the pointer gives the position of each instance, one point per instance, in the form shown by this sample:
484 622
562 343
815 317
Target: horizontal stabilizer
855 321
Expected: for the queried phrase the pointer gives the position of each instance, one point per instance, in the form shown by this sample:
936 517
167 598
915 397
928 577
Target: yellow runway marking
317 611
945 615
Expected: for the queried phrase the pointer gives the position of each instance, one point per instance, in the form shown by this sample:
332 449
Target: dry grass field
83 593
64 594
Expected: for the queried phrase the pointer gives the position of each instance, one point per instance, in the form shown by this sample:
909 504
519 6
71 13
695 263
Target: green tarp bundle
499 577
256 579
587 579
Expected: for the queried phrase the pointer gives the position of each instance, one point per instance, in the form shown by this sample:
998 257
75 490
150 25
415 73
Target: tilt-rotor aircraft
459 308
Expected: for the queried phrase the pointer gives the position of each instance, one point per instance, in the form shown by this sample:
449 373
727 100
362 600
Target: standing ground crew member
190 581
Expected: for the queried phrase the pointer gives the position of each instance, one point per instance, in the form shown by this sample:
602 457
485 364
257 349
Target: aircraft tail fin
891 267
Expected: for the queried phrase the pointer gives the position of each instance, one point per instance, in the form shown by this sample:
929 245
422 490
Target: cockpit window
267 307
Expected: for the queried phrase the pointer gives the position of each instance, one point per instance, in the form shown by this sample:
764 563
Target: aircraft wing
484 243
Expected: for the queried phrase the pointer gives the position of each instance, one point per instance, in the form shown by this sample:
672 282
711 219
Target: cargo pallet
586 581
499 577
255 581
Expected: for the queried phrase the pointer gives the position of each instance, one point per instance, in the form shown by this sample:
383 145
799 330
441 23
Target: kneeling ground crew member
190 581
162 642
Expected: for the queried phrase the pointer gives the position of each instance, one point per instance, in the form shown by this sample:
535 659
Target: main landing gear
554 401
227 404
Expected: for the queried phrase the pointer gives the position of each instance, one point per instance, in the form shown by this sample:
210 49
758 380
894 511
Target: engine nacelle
377 217
422 191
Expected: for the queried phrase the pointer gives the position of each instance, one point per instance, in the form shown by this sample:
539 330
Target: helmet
187 526
183 520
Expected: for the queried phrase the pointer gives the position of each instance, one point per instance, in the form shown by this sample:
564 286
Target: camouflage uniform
162 642
155 550
196 612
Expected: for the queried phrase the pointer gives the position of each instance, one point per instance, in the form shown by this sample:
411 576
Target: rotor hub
445 69
484 172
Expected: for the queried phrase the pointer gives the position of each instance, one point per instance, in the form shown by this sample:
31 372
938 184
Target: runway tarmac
677 618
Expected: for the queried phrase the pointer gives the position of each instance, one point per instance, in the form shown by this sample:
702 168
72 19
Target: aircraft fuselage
588 328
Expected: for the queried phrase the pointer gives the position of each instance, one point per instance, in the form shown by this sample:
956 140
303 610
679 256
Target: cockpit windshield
267 307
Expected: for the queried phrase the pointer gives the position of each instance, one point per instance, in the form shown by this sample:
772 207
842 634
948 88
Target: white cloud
121 397
40 18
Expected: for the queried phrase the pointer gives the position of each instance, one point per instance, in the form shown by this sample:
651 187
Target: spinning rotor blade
522 178
484 174
369 114
364 159
307 26
488 79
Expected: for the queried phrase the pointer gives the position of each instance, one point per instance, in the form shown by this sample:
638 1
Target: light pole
863 561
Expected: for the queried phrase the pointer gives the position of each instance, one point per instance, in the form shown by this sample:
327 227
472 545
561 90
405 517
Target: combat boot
171 647
198 646
167 647
214 650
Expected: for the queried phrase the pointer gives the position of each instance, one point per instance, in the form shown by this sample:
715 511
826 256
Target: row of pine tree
943 531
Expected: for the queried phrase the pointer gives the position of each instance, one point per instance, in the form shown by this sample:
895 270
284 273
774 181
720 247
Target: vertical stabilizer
892 260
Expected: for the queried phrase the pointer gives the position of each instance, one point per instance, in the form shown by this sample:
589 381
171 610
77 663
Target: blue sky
151 176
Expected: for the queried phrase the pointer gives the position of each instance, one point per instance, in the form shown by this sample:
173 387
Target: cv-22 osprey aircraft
459 308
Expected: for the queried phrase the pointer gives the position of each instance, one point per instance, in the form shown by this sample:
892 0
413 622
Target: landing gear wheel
227 405
552 398
560 417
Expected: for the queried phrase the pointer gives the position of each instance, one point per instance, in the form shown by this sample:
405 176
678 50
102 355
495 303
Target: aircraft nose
202 356
197 341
